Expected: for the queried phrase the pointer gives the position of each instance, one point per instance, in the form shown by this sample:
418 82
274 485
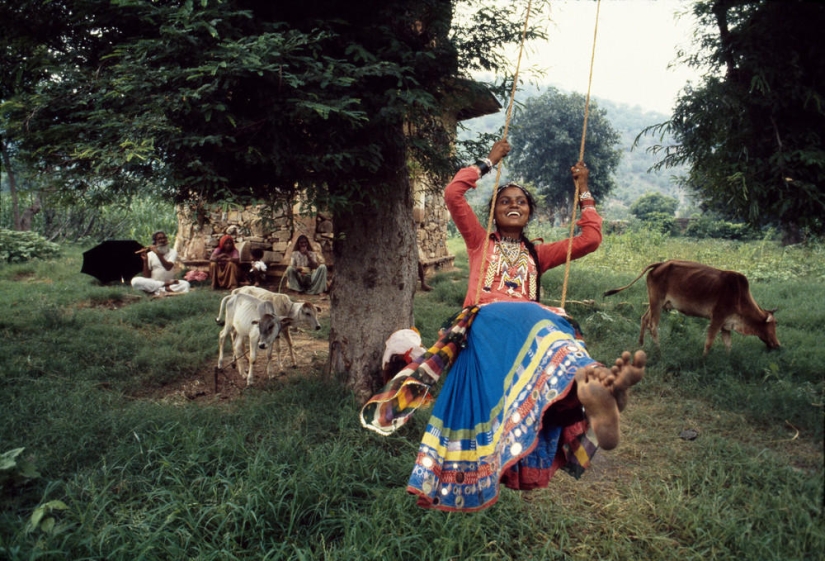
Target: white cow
302 314
253 319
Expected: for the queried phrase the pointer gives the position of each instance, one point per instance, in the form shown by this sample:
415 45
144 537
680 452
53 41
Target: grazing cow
303 315
697 290
253 319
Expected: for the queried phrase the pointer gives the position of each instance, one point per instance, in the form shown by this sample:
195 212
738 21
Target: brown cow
697 290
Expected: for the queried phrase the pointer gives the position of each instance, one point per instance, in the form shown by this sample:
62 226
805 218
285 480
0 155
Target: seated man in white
159 269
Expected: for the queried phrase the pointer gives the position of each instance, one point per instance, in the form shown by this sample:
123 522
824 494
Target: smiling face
512 210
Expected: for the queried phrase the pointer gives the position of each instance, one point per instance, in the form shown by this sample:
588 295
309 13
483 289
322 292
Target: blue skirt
507 412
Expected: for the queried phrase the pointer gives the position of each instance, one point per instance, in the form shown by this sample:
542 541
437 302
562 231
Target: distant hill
632 175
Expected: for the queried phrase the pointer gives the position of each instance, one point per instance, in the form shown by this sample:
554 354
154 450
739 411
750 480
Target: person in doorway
158 275
224 265
306 272
523 397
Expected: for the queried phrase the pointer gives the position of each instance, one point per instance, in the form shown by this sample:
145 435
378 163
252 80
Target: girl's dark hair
531 249
531 202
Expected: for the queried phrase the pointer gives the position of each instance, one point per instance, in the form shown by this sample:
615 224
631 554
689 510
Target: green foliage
43 518
15 468
546 137
137 218
712 226
659 222
19 247
751 130
653 203
285 471
203 100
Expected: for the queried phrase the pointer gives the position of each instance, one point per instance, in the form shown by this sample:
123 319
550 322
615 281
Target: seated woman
224 265
306 271
522 392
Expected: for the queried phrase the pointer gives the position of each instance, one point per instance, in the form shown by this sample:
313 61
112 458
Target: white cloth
258 266
160 276
402 342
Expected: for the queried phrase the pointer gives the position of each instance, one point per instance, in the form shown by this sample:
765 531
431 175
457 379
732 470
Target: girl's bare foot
603 393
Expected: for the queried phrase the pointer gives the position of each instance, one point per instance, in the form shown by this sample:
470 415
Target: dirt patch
212 384
117 303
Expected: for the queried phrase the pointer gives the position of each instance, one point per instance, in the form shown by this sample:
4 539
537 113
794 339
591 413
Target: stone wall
275 231
431 217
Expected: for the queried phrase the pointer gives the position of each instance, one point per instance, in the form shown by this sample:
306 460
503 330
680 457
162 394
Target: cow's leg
645 321
291 348
221 342
726 338
713 331
277 344
269 359
237 353
655 303
253 354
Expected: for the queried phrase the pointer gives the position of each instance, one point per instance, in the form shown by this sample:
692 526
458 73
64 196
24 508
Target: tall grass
136 219
286 472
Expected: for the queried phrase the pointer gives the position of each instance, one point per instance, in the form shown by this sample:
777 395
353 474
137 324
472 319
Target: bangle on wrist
484 166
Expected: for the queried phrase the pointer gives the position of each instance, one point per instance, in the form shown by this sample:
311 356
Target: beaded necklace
510 261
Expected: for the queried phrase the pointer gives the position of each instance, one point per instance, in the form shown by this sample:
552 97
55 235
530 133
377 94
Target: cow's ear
286 320
771 318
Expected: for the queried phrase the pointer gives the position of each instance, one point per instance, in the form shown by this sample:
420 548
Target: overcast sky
635 43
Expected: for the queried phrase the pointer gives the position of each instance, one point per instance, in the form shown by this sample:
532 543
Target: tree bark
25 221
376 265
15 209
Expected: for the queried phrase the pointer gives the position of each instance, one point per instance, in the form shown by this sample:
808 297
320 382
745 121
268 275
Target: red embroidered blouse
549 254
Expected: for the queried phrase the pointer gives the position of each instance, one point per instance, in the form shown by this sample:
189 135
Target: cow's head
309 316
269 327
767 331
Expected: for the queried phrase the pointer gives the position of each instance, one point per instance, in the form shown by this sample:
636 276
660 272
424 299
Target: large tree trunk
376 266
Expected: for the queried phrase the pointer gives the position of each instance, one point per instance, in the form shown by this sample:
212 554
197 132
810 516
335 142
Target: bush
652 205
709 226
19 247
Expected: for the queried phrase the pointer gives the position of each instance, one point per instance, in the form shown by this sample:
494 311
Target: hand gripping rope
581 156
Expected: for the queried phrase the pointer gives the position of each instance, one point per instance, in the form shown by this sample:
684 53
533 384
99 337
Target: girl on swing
522 390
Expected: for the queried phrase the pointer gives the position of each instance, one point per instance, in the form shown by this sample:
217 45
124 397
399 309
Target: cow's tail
219 319
646 269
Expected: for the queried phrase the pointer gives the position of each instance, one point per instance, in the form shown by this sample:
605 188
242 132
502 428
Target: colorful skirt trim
507 413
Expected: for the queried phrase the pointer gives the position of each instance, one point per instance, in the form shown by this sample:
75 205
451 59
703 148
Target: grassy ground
286 472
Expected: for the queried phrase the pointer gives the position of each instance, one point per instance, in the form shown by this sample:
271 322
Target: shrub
710 226
18 247
652 205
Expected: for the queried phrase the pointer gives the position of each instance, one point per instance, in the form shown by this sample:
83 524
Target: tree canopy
223 99
653 204
546 138
751 131
242 100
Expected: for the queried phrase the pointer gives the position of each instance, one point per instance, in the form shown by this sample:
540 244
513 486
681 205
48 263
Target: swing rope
498 168
581 158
